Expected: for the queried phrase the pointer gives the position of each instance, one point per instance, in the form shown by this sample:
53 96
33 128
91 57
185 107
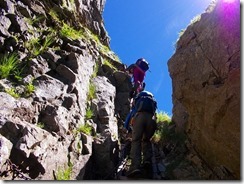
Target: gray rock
205 72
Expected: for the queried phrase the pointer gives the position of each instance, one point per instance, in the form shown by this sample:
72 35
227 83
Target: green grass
35 46
89 113
163 117
95 71
166 130
40 125
29 89
54 15
12 92
105 50
182 31
36 20
91 92
79 147
86 129
64 174
163 121
49 39
66 30
8 64
18 74
65 5
106 62
94 37
69 32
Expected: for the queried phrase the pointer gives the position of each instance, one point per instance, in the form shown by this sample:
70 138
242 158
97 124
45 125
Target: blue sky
149 29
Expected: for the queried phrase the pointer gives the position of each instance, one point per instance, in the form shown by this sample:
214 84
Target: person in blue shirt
143 127
128 119
133 110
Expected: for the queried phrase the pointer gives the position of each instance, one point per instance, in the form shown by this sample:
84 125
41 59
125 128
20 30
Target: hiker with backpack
138 71
143 127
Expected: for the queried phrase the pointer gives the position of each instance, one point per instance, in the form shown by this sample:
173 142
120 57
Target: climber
143 127
129 116
138 71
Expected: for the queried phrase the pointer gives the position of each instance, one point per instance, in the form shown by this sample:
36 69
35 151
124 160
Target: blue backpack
145 102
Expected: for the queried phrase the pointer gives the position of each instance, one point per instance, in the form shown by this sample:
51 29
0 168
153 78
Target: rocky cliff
205 72
62 92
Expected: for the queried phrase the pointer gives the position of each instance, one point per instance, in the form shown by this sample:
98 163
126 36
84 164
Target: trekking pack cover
143 64
145 102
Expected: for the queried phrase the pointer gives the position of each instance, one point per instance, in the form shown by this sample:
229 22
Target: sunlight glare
228 1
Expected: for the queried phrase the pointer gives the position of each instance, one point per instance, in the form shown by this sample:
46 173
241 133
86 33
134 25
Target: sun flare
229 1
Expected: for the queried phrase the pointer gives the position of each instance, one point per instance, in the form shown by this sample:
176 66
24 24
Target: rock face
205 72
62 84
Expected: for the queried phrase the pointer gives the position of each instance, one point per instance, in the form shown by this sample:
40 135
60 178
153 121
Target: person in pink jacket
138 74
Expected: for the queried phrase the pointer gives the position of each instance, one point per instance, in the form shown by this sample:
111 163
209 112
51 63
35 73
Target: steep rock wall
65 70
205 72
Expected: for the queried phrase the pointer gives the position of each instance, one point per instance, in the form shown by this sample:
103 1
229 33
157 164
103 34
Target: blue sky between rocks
150 29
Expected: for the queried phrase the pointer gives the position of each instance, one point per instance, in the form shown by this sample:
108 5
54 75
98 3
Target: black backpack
143 64
145 102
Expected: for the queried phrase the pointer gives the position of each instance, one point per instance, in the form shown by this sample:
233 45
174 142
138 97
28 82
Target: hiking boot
133 173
